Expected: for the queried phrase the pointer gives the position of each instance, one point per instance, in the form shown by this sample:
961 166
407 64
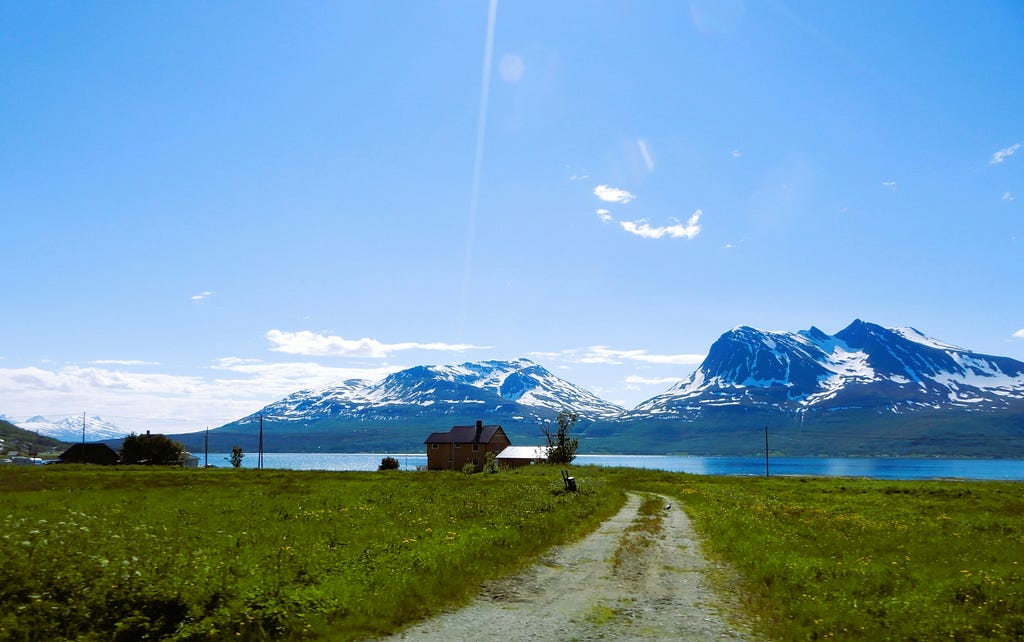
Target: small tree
388 463
561 448
491 463
236 456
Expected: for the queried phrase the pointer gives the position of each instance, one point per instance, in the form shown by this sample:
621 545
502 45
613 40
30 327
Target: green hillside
26 441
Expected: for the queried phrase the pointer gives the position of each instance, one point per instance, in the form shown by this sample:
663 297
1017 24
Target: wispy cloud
579 175
1007 196
202 296
609 356
123 362
650 381
613 194
645 152
736 153
1003 154
604 215
643 229
312 344
890 184
1019 333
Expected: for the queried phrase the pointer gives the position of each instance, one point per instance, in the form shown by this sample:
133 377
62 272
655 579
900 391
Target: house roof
91 452
466 435
522 452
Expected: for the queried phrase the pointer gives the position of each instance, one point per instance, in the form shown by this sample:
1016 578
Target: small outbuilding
97 453
455 448
516 456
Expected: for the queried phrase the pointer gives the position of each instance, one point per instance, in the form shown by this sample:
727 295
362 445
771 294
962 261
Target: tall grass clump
870 560
124 554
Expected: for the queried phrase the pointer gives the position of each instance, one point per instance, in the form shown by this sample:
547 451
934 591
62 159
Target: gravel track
658 591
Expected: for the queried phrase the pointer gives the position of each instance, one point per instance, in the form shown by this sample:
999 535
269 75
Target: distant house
516 456
97 453
464 444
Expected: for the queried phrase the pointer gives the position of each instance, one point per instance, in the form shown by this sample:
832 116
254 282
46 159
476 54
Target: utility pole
206 449
83 436
259 457
766 472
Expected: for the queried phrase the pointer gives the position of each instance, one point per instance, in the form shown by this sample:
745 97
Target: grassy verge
106 554
870 560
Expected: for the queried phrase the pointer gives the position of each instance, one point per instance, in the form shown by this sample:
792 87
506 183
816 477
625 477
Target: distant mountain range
867 390
69 429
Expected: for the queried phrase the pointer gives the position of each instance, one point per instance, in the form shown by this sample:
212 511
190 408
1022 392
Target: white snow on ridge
912 334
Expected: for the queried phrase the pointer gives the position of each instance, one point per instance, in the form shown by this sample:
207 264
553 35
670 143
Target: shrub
236 456
151 450
388 463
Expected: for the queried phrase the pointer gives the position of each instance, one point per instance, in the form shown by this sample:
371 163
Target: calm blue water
882 468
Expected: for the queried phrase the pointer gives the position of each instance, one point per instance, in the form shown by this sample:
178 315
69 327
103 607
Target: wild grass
870 560
118 554
107 554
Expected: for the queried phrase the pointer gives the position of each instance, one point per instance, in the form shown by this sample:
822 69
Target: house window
476 447
433 446
458 445
476 461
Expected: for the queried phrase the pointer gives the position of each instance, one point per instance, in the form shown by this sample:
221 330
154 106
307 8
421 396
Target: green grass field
141 554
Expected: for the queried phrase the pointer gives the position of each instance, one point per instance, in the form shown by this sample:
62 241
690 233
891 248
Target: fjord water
873 468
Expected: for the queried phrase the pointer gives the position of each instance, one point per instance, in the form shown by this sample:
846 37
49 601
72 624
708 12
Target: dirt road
657 591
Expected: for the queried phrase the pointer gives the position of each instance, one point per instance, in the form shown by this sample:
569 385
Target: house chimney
479 429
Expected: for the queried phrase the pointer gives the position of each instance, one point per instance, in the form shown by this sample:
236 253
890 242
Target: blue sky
207 206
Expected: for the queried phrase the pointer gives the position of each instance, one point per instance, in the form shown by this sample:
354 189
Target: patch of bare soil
658 590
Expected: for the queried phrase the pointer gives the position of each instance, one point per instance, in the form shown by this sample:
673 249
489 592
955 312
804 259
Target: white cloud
166 402
644 230
650 381
319 345
604 215
613 194
123 362
1007 196
890 184
1003 154
202 296
1019 333
579 175
511 68
645 152
608 356
736 153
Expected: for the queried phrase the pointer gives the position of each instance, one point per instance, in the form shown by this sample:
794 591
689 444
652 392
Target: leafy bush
388 463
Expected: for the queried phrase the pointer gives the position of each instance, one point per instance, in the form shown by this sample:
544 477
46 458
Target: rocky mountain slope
864 366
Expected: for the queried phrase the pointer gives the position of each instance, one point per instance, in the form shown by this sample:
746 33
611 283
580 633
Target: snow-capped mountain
69 429
864 366
519 390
